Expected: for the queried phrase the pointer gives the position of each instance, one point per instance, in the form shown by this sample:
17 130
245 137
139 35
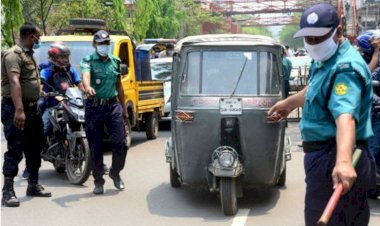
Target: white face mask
103 50
324 50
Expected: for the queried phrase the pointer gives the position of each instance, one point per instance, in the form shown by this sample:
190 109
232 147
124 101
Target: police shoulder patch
341 89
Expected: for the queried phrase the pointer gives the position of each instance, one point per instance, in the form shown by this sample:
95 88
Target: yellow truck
144 99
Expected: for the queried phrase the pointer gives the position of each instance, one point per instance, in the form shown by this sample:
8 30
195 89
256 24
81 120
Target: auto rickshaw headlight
226 159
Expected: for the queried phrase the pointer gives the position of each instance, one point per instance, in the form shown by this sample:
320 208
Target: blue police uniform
340 85
104 110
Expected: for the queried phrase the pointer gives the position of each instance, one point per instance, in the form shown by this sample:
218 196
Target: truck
144 98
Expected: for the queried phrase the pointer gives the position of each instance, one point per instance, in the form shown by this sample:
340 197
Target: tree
118 19
142 18
257 31
11 20
38 11
286 36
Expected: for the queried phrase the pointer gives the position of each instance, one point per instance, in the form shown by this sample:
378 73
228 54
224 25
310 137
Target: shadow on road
374 207
64 201
190 202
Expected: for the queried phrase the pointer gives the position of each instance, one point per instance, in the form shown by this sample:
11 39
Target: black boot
9 197
35 189
117 181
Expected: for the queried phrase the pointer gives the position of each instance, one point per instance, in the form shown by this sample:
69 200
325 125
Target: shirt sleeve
346 95
85 65
75 76
12 63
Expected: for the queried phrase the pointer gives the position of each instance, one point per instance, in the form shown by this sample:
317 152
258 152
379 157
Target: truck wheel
174 178
152 126
227 189
282 180
78 163
86 22
128 133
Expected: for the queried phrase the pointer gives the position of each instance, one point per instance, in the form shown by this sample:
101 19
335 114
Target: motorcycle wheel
227 189
78 163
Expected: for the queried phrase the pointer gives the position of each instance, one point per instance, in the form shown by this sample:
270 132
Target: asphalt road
150 200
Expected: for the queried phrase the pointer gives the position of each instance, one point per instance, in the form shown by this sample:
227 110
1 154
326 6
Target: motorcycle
67 145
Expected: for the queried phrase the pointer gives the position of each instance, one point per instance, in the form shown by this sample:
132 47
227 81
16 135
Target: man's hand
19 119
279 111
345 174
90 92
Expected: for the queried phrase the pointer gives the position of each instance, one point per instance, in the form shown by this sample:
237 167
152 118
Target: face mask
38 44
103 50
322 51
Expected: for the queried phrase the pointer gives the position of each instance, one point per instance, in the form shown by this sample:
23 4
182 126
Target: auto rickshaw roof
226 39
79 38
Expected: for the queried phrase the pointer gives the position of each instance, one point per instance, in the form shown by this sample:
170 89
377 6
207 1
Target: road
149 199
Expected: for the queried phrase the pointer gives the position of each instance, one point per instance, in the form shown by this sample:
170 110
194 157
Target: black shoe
9 199
98 190
119 184
25 174
37 190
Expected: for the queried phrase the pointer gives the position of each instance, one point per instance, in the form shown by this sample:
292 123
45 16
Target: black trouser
28 141
111 116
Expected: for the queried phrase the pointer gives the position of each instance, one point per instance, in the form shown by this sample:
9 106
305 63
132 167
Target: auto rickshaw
222 88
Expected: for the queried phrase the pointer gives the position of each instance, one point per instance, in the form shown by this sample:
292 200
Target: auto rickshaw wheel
152 126
174 178
282 180
227 189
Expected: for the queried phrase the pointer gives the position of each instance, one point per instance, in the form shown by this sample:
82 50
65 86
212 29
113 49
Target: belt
311 146
103 101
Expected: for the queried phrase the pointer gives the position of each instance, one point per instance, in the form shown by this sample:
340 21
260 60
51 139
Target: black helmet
101 36
59 54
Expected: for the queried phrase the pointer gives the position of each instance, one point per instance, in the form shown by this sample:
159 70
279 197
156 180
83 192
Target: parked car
162 71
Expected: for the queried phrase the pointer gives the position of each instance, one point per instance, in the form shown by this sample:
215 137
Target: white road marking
241 217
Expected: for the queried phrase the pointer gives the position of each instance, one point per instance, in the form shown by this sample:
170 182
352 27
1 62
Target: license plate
231 106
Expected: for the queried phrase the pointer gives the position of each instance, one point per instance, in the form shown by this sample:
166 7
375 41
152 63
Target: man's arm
86 84
16 94
282 108
120 93
375 57
344 172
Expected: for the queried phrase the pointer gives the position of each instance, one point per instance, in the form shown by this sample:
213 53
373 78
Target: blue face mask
38 44
103 50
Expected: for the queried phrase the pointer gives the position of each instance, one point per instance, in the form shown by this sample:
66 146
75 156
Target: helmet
364 41
59 54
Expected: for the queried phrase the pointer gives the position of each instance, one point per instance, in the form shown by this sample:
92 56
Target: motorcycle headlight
226 159
78 114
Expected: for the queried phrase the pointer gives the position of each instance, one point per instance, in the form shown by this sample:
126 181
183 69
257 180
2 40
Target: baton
334 199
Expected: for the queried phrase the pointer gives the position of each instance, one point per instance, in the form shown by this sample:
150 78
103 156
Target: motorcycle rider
57 75
369 47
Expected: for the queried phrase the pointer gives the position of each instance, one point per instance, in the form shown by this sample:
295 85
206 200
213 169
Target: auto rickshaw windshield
225 73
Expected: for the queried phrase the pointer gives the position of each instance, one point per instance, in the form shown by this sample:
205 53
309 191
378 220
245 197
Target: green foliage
38 11
11 20
257 31
170 18
286 36
192 16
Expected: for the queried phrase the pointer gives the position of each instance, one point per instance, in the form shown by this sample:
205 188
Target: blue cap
318 20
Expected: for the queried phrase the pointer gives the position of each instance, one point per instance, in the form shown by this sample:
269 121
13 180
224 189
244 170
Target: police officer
369 47
287 69
336 118
105 107
20 115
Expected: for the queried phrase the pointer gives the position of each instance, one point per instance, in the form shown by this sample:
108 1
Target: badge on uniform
98 81
341 89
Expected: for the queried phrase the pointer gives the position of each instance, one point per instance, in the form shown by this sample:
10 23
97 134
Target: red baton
334 199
